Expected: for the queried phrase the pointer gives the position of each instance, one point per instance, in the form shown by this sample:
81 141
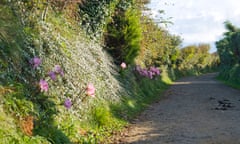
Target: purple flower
36 61
43 85
52 75
155 70
68 103
158 71
58 70
145 72
152 69
150 74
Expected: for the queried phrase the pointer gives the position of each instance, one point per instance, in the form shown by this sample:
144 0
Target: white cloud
199 21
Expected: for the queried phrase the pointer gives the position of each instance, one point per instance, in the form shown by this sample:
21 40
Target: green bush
229 52
123 35
94 16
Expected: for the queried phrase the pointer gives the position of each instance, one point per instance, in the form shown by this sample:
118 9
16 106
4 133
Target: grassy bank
35 114
60 86
28 121
229 83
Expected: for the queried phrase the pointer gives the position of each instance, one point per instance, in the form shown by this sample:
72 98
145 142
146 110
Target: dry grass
27 125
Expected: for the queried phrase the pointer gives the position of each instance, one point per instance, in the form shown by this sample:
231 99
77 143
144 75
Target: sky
198 21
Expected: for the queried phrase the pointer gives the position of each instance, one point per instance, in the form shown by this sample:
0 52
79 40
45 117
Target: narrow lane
195 110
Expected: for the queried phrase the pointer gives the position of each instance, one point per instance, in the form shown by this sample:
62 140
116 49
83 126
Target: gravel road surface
194 110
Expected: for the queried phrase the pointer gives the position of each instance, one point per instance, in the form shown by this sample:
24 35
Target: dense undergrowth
33 116
58 85
229 52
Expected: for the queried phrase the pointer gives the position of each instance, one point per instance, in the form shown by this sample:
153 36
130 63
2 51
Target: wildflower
150 74
43 85
90 90
123 65
155 70
35 62
52 75
58 70
68 103
145 72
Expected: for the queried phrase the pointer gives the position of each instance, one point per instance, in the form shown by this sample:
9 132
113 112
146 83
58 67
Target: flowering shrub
150 73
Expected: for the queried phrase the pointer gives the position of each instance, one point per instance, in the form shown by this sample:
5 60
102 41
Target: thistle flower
52 75
58 70
90 90
68 103
43 85
35 62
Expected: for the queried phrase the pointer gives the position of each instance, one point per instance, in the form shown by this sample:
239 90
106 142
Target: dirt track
195 110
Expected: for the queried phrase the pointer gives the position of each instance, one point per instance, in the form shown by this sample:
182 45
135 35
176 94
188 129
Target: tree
123 34
229 52
158 46
229 47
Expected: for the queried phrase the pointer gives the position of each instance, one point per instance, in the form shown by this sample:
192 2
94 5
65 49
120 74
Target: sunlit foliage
123 34
195 59
229 52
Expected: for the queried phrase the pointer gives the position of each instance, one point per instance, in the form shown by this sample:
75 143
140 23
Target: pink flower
123 65
52 75
158 71
43 85
90 90
155 70
35 62
68 103
58 70
150 74
145 72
